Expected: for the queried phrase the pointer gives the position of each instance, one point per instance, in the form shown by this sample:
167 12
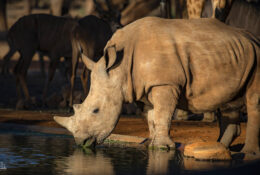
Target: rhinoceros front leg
229 127
164 100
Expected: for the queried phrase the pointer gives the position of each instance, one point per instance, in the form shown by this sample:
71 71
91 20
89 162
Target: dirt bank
181 131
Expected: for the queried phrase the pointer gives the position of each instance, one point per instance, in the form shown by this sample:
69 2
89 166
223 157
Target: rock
189 149
207 151
126 138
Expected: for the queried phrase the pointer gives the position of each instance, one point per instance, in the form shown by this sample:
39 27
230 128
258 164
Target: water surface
35 153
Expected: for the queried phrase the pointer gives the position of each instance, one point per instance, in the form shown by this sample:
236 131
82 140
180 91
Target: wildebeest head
111 15
96 117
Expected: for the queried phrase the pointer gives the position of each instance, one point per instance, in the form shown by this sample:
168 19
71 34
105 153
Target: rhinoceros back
207 58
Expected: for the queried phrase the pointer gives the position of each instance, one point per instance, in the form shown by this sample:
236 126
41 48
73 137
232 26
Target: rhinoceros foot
164 143
251 154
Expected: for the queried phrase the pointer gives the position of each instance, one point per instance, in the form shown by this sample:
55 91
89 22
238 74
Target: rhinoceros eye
96 110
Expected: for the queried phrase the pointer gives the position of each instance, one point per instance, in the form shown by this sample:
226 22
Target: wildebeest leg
18 85
51 71
164 100
253 112
84 79
21 71
229 127
41 59
68 67
3 18
65 68
72 77
7 57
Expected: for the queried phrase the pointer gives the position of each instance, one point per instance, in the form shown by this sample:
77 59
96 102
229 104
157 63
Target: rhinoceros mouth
89 142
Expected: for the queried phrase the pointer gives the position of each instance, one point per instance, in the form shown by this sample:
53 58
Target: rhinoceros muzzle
85 143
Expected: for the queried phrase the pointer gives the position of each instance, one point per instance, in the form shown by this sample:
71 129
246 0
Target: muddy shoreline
181 131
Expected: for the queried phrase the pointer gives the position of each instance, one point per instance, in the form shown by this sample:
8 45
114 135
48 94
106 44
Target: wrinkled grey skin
191 73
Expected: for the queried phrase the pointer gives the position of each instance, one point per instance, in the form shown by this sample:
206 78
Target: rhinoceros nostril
96 110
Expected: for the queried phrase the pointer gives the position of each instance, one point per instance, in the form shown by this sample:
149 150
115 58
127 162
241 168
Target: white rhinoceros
199 65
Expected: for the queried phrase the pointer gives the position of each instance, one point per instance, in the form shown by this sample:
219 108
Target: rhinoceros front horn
64 121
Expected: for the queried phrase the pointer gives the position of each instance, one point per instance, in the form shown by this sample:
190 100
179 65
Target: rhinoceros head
96 117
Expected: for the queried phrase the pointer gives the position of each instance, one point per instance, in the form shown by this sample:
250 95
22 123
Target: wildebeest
92 34
198 65
52 36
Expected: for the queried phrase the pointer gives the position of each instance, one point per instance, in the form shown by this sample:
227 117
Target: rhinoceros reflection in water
198 65
107 162
158 162
85 163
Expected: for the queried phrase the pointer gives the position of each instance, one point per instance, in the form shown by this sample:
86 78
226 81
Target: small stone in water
207 151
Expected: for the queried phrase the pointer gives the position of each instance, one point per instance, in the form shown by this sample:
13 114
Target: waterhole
35 153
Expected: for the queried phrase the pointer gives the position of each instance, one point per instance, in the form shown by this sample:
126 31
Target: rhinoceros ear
64 121
88 62
112 57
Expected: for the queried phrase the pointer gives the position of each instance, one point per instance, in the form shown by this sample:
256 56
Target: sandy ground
182 131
